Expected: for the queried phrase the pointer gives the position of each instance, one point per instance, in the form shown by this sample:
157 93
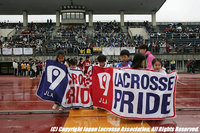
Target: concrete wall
43 58
138 31
5 32
181 60
73 21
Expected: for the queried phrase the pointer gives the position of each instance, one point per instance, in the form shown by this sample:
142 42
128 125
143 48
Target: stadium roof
34 7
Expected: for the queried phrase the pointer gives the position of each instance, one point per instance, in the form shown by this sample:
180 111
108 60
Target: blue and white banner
134 94
54 82
127 93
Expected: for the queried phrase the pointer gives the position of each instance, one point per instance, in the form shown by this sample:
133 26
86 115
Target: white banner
17 51
130 49
28 51
150 94
108 51
7 51
77 93
134 94
116 51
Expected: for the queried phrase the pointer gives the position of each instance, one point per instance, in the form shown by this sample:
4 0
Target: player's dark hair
155 60
101 58
124 52
137 61
60 53
73 61
143 46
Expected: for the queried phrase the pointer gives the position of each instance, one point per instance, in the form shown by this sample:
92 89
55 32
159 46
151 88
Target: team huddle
142 60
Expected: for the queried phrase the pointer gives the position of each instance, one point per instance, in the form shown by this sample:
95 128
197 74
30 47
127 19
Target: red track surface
19 93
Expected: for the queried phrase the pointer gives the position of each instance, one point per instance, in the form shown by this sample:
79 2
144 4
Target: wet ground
19 93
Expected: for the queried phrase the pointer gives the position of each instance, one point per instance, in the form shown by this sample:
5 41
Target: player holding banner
125 63
101 63
73 67
61 59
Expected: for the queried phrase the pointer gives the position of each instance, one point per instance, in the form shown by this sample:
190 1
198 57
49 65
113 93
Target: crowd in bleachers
111 39
158 46
70 38
109 35
191 64
138 40
164 45
179 28
144 24
34 36
110 27
73 33
4 42
73 37
180 38
7 25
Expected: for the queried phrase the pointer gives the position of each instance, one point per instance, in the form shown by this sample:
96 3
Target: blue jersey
120 65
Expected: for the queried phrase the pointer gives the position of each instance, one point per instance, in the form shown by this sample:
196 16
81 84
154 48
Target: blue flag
54 82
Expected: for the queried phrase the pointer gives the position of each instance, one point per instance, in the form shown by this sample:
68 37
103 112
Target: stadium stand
174 37
40 36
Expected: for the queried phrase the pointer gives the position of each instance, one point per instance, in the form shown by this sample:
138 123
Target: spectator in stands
173 65
193 65
37 67
80 64
143 49
188 65
41 67
33 69
168 48
15 66
157 46
23 66
163 46
125 63
86 64
2 39
166 65
50 21
28 68
19 69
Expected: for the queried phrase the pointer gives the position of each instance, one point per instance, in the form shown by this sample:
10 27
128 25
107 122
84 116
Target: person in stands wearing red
86 64
80 64
40 65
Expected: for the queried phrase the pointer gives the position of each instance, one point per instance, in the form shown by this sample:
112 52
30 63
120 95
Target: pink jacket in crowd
149 57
